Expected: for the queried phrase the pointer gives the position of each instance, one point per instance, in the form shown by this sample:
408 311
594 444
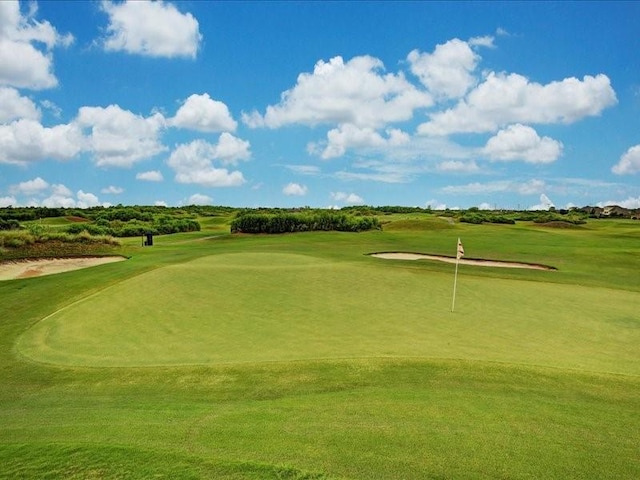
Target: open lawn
300 356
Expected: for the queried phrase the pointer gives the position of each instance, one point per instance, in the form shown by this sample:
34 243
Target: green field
300 356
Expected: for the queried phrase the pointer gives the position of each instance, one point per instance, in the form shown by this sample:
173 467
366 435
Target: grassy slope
358 418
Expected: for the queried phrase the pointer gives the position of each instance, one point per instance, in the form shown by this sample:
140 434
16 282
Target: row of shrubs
477 216
301 222
482 217
162 225
24 238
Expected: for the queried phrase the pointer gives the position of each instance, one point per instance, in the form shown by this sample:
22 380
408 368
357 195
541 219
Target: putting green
256 307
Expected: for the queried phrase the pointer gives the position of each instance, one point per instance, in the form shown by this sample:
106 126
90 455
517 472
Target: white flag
460 253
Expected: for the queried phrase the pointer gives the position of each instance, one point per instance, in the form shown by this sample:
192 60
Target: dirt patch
49 266
463 261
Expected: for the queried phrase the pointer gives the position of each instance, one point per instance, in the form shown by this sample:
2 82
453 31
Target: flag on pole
459 255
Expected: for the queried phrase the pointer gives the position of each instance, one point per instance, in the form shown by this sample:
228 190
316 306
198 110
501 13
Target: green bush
301 222
9 224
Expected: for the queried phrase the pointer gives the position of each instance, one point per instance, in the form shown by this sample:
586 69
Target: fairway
266 307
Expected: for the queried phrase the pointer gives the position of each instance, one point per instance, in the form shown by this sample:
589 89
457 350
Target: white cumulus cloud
29 187
349 198
86 199
25 141
8 202
356 92
199 199
112 190
155 29
13 106
506 99
520 142
193 164
119 138
629 162
295 189
448 71
25 48
41 193
545 203
630 202
150 176
230 149
202 113
348 136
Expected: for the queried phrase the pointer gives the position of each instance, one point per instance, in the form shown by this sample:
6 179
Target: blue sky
323 104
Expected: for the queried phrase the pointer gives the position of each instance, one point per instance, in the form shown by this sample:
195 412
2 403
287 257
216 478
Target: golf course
218 355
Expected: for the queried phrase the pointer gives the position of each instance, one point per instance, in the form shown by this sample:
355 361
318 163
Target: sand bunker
463 261
47 266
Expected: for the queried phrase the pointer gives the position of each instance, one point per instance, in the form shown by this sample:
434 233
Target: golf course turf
300 356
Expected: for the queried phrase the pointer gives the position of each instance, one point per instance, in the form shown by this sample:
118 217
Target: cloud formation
357 92
25 48
448 71
520 142
193 164
40 193
348 198
119 138
294 189
503 99
629 162
202 113
150 176
25 141
13 106
199 199
154 29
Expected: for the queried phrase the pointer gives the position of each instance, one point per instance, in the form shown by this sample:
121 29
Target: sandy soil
463 261
48 266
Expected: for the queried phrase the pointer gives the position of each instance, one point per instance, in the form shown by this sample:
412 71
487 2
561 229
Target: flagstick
455 283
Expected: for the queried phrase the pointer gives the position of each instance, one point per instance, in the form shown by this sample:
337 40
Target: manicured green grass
258 307
299 356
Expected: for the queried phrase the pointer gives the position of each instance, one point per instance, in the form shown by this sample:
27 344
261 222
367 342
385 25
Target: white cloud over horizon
295 189
520 142
545 203
199 199
348 198
193 163
629 162
40 193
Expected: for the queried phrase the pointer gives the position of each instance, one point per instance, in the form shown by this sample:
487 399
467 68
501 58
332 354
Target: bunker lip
465 261
29 268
